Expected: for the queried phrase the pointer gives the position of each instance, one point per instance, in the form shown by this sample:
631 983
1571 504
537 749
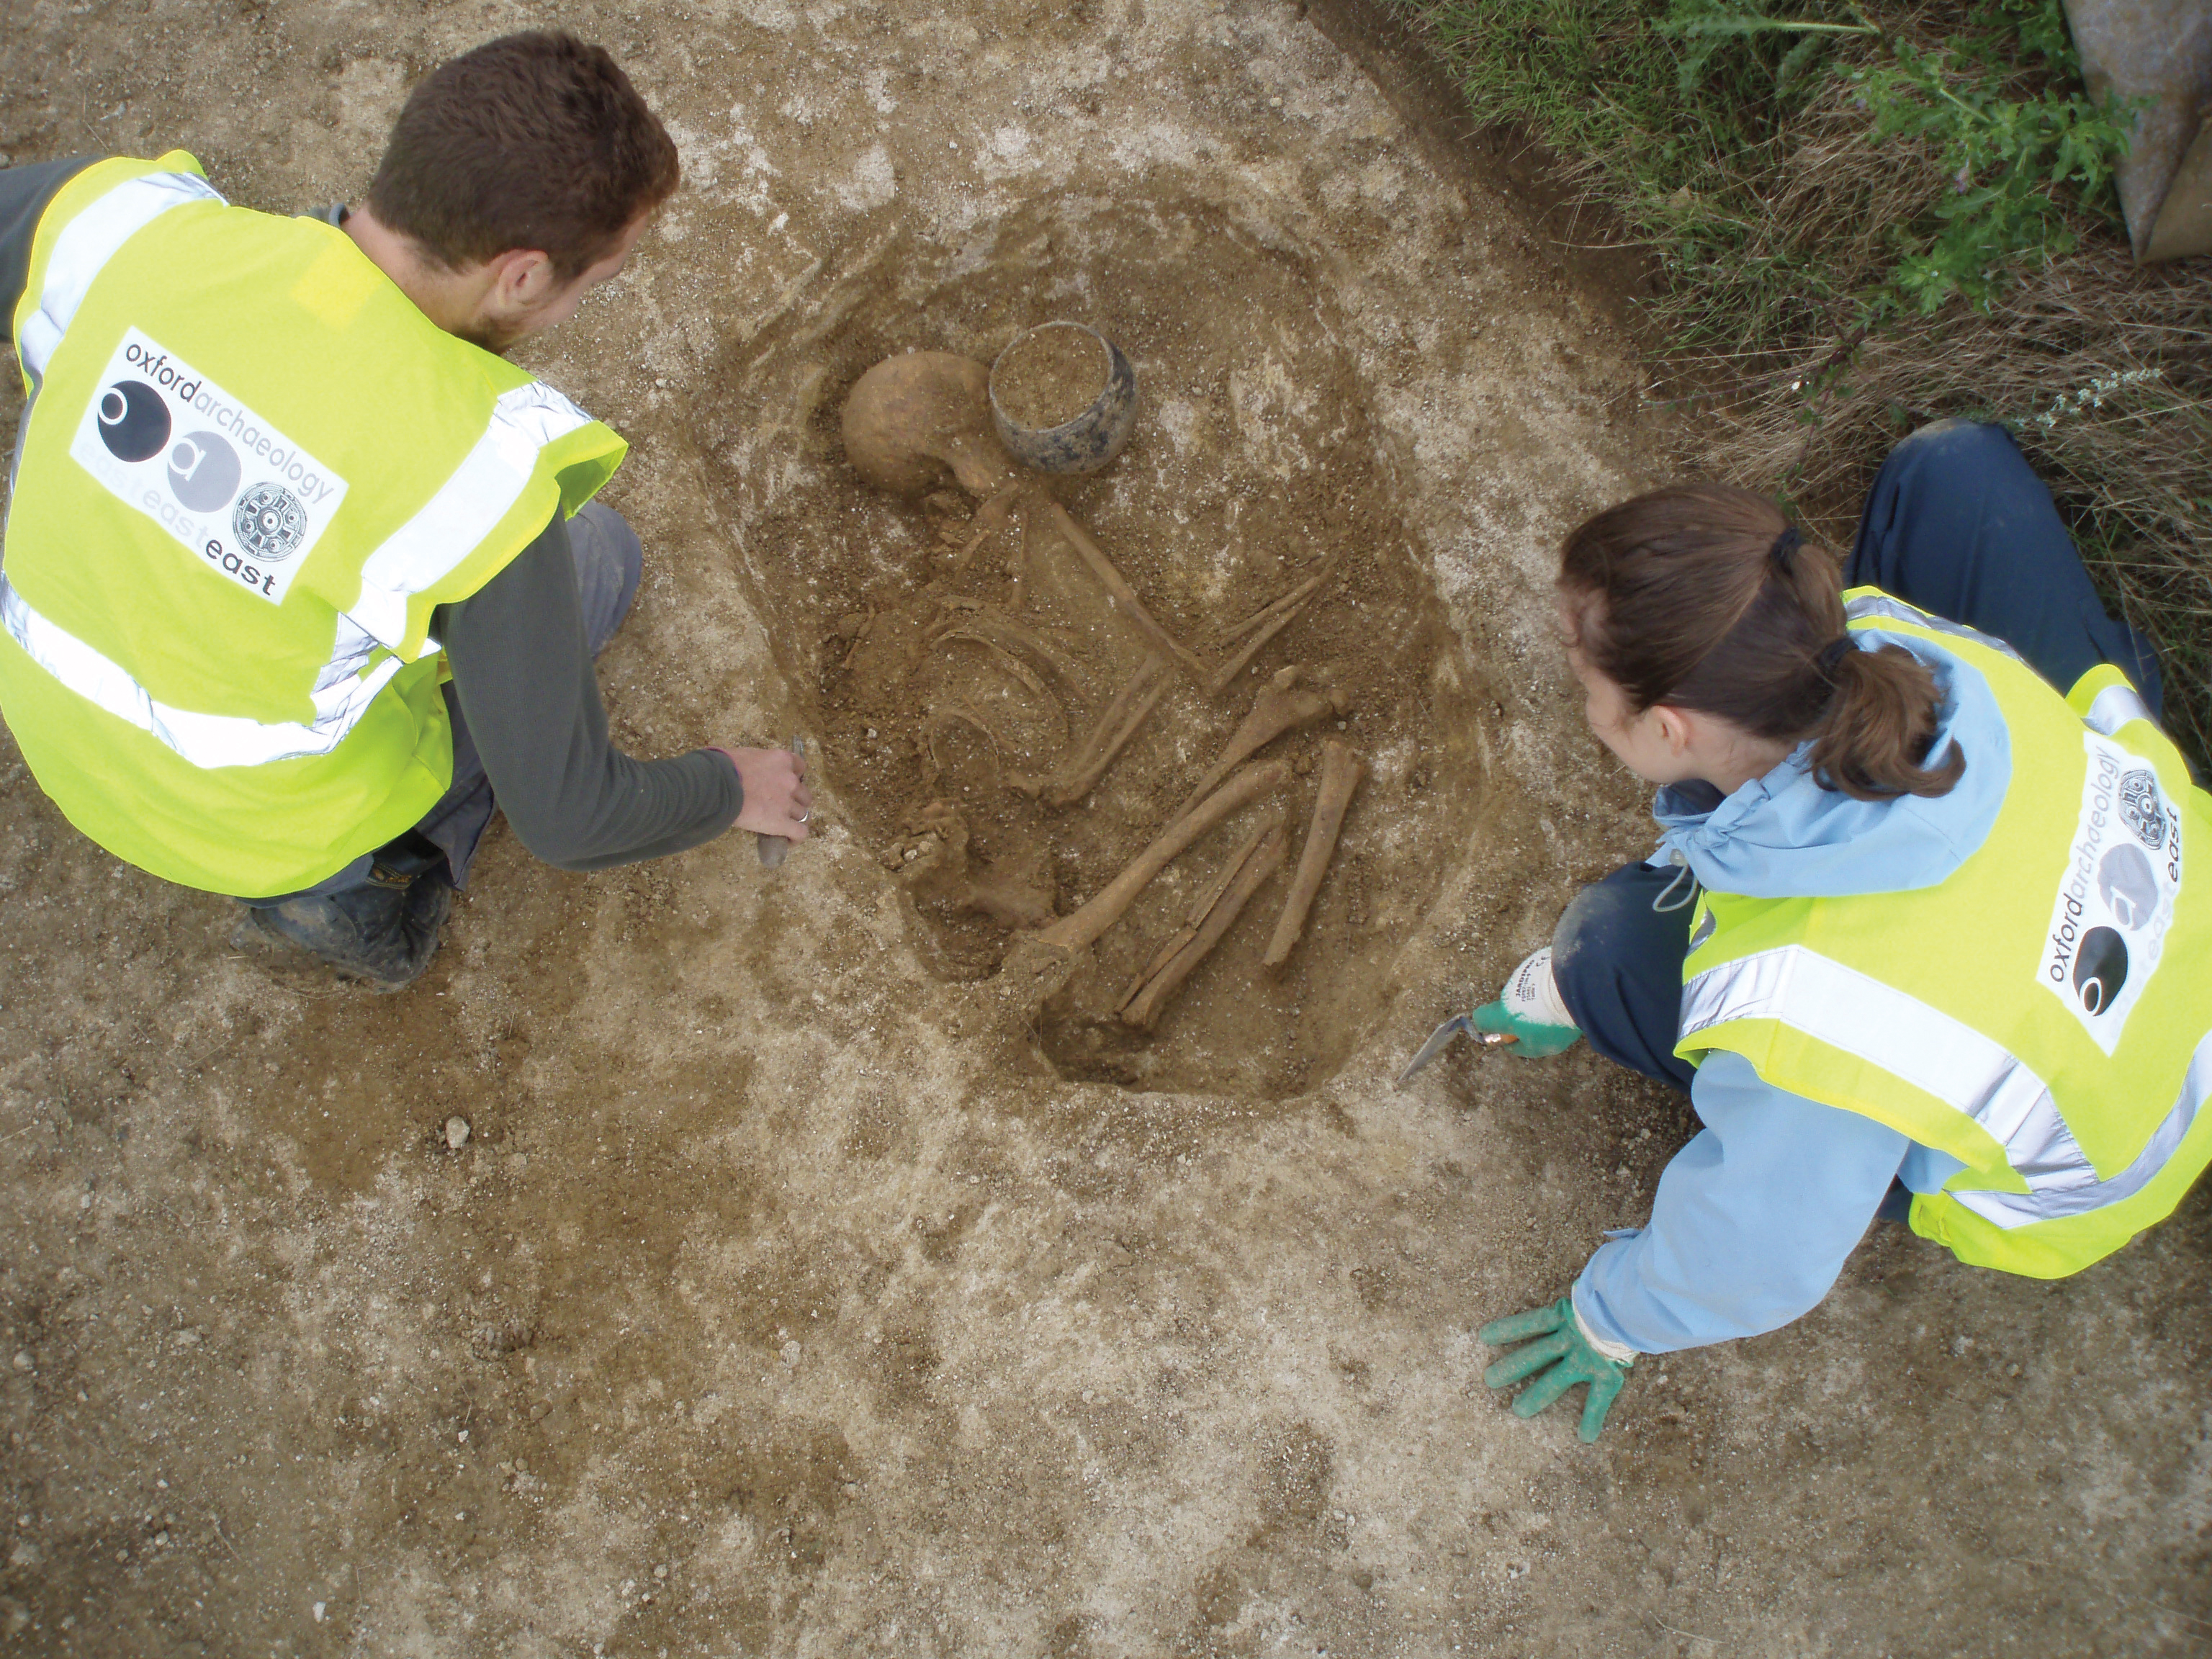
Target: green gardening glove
1532 1039
1530 1011
1562 1354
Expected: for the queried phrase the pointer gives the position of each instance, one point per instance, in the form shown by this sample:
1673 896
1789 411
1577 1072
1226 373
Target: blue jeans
609 561
1956 523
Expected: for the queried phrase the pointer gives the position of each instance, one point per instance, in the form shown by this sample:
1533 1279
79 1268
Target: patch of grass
1873 215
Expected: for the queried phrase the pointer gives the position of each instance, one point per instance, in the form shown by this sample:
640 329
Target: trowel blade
1438 1039
1443 1036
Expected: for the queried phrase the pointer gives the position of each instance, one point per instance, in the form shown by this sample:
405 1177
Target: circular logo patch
271 523
2100 969
134 422
2140 805
2126 882
203 472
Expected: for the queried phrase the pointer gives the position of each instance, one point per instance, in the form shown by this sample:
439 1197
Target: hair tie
1785 545
1832 653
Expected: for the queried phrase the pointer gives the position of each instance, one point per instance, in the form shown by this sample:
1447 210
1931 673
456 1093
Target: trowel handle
772 848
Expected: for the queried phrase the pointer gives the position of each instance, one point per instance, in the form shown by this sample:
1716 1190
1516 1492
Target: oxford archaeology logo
2100 969
247 502
2115 901
134 420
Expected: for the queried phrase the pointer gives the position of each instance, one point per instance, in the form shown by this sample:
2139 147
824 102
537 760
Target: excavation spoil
1050 376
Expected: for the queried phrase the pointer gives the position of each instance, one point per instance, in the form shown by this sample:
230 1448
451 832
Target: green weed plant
1869 215
1689 111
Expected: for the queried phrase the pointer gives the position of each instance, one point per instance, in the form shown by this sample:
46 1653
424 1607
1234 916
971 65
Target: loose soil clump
1050 376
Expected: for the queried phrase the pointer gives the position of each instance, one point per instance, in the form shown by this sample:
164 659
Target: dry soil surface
798 1290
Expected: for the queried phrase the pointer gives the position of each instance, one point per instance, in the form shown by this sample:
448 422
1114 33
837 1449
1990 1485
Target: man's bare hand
777 800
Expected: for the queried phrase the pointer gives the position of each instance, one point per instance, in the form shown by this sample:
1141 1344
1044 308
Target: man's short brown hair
532 141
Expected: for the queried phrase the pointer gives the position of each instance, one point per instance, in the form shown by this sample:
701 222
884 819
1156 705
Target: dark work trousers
1956 523
609 563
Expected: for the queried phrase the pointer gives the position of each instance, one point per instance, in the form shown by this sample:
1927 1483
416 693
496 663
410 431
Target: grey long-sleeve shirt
522 670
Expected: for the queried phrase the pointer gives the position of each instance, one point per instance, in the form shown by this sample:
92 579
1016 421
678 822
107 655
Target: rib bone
1072 933
1256 869
984 623
1341 771
1285 600
1279 707
1012 664
945 715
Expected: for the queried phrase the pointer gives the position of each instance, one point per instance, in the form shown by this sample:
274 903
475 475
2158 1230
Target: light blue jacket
1753 1219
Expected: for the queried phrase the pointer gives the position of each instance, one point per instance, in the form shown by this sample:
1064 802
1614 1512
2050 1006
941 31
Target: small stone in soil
1049 376
457 1132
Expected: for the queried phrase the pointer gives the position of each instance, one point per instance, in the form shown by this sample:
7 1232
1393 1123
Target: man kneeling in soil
274 477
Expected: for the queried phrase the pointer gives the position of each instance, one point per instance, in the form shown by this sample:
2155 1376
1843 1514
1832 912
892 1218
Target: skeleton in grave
914 424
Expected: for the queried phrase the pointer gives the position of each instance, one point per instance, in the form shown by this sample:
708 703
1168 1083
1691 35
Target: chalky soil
799 1286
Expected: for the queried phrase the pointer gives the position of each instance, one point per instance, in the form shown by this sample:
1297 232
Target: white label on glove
1531 993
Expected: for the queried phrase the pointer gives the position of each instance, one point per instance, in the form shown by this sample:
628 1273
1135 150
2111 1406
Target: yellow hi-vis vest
2044 1015
250 469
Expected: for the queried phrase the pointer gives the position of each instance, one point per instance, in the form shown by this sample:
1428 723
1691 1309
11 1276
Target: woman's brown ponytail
1879 725
1702 597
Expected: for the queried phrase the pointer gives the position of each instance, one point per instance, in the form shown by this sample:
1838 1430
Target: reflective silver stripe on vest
88 241
450 526
1881 606
1944 1057
2114 706
2018 1209
468 506
205 740
2111 709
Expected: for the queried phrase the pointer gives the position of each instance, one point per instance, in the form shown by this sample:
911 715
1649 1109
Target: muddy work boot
384 932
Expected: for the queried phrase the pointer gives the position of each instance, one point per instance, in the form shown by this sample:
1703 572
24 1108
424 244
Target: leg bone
1201 908
1073 932
1341 771
1262 864
1280 705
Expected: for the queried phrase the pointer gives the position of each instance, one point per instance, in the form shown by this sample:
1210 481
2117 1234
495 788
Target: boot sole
277 951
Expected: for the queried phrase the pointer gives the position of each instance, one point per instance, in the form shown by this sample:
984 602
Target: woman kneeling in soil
1918 938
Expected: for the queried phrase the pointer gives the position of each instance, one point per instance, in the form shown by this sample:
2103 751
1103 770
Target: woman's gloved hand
1530 1010
1563 1353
